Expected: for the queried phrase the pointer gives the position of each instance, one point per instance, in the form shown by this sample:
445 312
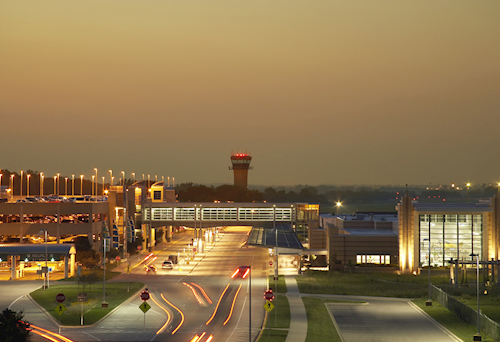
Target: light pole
133 175
250 304
103 185
81 185
95 169
72 185
58 185
477 337
55 184
1 174
65 186
468 185
41 183
46 279
93 180
111 176
429 301
28 185
21 189
12 186
123 176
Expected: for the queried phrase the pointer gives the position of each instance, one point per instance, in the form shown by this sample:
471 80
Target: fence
466 313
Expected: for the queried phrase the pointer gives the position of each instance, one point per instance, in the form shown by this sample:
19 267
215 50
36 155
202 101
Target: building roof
22 248
452 207
266 237
370 232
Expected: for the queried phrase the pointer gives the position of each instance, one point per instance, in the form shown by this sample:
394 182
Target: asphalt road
182 300
385 319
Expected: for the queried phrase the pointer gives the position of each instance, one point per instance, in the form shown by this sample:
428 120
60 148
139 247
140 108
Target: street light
58 187
81 185
429 301
65 186
95 169
55 184
468 185
28 185
21 189
12 186
1 174
93 180
477 337
338 205
72 185
103 185
133 175
123 176
111 176
41 183
46 279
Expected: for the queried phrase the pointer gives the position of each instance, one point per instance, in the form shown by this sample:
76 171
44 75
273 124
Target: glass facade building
451 236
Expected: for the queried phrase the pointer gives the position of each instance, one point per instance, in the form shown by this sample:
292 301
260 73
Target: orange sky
319 92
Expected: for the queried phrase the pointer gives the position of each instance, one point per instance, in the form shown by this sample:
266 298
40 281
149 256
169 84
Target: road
183 300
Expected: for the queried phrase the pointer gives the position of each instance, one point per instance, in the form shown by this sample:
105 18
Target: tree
13 328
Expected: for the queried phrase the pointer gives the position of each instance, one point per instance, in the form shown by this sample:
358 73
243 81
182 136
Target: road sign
270 263
82 297
268 306
144 307
128 269
145 295
139 248
60 298
117 258
268 295
60 309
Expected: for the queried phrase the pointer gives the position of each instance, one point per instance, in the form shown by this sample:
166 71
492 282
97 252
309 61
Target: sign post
144 306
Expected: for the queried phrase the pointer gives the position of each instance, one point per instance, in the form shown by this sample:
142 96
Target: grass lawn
278 321
281 285
319 324
449 320
116 293
367 284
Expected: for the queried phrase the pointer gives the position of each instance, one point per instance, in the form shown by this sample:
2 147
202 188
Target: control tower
241 165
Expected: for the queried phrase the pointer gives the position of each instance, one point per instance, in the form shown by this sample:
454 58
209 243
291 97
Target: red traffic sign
117 258
139 248
60 298
268 295
270 263
145 295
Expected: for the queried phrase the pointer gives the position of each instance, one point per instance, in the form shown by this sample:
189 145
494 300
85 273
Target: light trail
210 338
168 314
60 337
195 338
246 273
218 303
204 333
232 306
175 307
235 273
195 293
203 292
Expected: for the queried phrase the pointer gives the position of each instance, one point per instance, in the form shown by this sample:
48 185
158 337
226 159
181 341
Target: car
3 200
241 272
168 265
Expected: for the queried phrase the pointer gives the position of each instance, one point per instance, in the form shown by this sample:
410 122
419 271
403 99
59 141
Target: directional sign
60 309
144 307
128 269
268 306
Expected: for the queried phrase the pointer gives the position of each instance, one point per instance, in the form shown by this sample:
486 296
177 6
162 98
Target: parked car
168 265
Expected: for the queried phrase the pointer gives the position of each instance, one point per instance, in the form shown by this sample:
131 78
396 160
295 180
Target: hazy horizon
322 92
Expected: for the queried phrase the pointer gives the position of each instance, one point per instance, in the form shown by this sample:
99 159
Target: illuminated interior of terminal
452 236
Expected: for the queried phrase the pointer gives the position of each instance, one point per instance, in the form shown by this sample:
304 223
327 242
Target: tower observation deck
241 165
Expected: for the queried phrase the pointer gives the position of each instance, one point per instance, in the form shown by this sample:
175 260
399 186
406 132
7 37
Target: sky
317 92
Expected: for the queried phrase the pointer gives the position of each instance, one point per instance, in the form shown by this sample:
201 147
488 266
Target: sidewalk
298 316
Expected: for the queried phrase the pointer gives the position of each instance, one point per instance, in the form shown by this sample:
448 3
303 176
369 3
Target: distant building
240 166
